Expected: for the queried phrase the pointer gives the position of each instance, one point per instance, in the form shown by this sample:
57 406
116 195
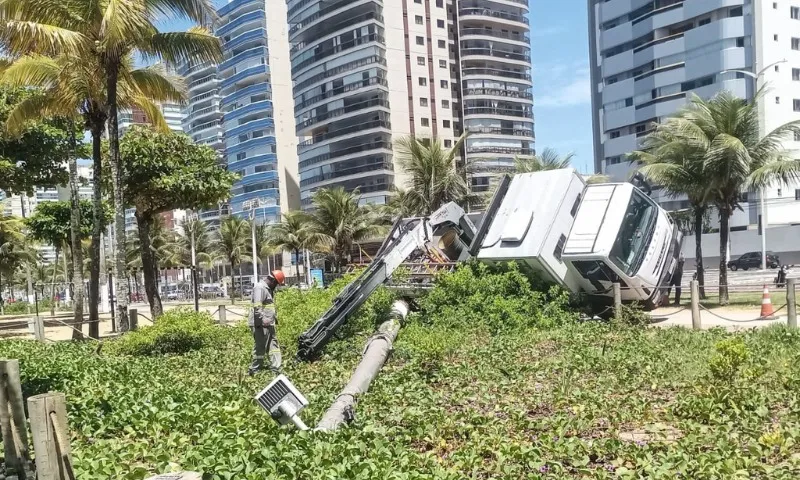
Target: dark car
753 260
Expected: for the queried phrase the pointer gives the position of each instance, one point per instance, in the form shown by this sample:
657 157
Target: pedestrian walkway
732 318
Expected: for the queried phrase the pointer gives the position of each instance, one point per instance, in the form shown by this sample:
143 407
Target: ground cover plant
465 395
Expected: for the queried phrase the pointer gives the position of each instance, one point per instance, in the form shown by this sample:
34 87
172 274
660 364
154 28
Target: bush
500 299
16 308
175 332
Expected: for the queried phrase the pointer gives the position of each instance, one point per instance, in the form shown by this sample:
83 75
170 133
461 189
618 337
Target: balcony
340 69
203 96
317 139
239 21
316 57
347 172
259 51
497 92
201 81
202 112
343 89
507 112
264 106
297 25
485 12
258 34
495 72
496 53
258 88
248 72
344 152
233 5
517 132
482 32
247 128
503 150
354 107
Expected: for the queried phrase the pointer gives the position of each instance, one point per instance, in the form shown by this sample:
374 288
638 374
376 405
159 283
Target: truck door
599 275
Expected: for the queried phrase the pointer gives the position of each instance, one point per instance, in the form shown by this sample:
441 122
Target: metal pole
791 303
111 301
617 300
763 228
695 291
193 270
255 253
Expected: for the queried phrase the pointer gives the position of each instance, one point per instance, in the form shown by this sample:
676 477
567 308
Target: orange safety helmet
278 276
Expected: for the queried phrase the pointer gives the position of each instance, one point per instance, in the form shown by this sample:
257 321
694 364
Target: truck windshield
634 236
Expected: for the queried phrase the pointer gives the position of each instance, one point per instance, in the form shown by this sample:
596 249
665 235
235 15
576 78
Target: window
420 41
796 74
440 23
442 63
448 143
704 21
777 100
440 3
241 156
797 193
630 248
795 13
629 102
775 37
423 81
444 83
420 60
574 210
613 160
795 43
446 123
419 20
423 102
424 122
740 42
777 68
614 134
417 1
796 105
780 192
442 44
562 240
735 12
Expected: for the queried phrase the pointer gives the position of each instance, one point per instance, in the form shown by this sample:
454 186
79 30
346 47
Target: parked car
753 260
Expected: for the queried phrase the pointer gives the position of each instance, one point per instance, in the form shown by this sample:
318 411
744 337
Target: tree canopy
50 222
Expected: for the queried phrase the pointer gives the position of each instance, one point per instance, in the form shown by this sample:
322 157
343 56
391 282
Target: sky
561 87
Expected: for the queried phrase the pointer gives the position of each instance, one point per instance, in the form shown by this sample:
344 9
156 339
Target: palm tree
232 239
434 178
549 159
677 164
292 234
736 157
107 33
337 221
71 85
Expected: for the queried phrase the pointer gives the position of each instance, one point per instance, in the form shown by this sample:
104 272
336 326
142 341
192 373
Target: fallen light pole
375 354
283 402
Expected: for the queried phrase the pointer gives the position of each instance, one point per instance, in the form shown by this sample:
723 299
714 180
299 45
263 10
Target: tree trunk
77 252
149 268
699 213
724 218
53 285
233 283
117 172
98 218
297 265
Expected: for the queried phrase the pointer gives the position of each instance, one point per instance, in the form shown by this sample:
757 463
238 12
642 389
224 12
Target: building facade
257 113
648 57
369 72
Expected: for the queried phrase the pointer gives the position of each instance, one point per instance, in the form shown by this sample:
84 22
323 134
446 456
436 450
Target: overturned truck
582 237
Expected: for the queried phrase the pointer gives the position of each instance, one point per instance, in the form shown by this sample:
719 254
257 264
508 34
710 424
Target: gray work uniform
262 321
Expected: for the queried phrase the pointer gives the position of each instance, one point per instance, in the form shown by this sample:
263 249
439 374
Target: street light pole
193 270
763 191
253 205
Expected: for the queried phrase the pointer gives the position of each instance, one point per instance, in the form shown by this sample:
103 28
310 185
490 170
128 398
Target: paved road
744 280
731 318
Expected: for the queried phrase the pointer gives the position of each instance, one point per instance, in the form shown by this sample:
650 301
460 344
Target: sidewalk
731 318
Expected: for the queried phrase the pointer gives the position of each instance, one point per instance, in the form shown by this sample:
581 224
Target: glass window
420 40
423 81
424 121
420 60
440 23
596 272
418 19
442 44
442 63
559 247
423 102
634 236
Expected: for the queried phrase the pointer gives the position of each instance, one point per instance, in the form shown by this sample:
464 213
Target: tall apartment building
648 57
256 90
369 72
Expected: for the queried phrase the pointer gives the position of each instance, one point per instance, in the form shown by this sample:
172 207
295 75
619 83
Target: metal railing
343 89
497 111
342 132
340 69
373 37
485 12
350 171
344 152
518 37
495 72
355 107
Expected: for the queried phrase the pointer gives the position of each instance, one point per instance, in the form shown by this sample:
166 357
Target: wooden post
617 300
133 319
222 315
791 303
50 439
38 329
13 423
694 287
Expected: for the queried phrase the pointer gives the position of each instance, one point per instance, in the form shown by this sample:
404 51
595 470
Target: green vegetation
462 397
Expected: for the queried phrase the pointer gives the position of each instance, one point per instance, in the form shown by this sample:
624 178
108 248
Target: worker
677 278
262 322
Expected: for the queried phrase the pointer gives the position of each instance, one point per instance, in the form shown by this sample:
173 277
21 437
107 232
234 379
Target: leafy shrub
632 316
16 308
175 332
500 299
729 357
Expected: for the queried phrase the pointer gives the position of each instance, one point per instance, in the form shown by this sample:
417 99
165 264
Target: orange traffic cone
767 312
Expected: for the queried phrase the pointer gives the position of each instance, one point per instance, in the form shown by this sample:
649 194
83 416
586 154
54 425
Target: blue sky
561 86
560 51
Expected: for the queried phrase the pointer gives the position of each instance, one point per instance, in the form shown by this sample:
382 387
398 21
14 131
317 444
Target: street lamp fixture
762 193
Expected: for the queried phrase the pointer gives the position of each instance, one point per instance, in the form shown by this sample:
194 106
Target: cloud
563 85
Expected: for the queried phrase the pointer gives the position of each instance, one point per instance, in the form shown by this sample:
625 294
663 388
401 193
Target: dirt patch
657 432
